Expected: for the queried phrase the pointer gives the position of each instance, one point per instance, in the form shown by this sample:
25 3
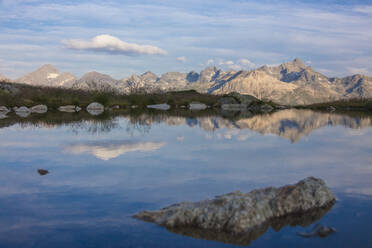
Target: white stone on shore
197 106
68 108
162 106
40 109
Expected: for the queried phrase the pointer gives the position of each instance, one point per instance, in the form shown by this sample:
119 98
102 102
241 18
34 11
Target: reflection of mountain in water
245 239
292 124
112 149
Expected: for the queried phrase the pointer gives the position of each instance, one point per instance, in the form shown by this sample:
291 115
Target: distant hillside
291 83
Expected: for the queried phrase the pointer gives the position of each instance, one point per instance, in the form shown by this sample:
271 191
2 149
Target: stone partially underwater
246 216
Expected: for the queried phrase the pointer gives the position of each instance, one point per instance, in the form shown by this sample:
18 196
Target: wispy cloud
113 45
181 59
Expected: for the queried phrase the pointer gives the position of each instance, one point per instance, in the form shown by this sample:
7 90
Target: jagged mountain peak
4 79
48 75
48 68
93 75
293 66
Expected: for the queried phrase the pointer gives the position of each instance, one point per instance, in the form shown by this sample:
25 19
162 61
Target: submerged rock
318 231
40 109
239 212
162 106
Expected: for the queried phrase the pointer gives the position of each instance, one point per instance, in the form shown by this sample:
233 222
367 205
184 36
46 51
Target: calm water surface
104 170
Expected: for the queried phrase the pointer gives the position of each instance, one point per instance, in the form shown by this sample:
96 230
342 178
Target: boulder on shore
3 115
197 106
162 106
68 108
40 109
95 108
4 110
22 111
239 212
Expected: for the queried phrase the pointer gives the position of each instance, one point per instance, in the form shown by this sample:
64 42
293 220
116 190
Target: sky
120 38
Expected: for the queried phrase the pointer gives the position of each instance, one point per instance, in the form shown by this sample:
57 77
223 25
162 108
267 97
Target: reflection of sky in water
97 180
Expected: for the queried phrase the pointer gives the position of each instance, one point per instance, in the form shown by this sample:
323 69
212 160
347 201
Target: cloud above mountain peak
113 45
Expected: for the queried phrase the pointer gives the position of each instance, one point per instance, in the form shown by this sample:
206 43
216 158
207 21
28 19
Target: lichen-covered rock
239 212
40 109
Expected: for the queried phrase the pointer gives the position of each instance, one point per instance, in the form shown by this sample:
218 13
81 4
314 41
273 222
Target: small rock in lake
238 212
42 172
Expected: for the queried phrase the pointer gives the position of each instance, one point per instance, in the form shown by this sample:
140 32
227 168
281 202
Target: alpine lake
76 180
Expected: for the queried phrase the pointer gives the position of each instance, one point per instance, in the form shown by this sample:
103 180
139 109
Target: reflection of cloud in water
112 149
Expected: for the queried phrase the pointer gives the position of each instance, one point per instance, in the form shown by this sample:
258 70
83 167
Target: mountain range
290 83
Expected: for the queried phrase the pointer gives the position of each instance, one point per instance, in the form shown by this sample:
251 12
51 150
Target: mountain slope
94 81
48 75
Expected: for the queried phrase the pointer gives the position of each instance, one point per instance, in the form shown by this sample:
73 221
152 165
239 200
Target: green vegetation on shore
344 104
25 95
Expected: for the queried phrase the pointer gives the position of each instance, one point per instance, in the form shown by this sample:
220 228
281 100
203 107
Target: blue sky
335 37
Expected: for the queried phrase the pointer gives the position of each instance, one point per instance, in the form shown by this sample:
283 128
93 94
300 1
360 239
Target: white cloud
210 62
111 44
246 63
364 9
181 59
354 70
240 64
109 150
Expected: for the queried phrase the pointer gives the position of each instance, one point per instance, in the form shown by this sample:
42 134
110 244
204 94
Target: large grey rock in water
40 109
239 212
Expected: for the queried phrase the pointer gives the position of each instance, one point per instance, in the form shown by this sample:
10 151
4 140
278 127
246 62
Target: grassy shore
345 104
26 95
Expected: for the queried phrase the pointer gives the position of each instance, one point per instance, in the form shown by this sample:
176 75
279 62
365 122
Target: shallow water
104 169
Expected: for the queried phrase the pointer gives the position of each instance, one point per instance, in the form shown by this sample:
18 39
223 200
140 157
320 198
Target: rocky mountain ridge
290 83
